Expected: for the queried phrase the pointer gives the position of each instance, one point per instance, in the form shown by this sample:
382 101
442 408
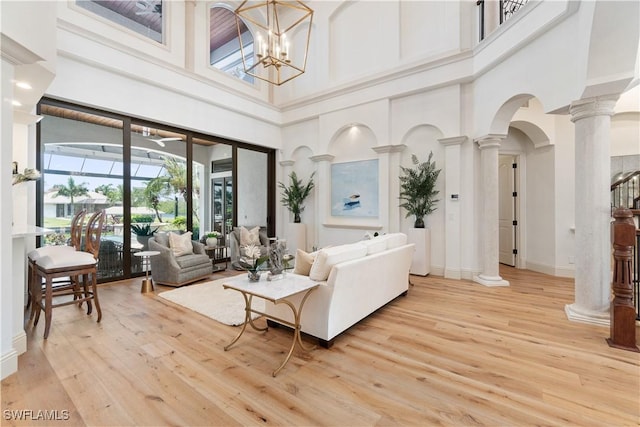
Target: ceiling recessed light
23 85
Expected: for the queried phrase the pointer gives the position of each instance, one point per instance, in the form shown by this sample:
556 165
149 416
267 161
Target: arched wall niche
353 142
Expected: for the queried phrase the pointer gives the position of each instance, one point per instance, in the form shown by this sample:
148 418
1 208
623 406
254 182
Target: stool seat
38 253
66 259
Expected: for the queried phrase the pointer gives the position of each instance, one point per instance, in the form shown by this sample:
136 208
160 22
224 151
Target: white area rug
212 300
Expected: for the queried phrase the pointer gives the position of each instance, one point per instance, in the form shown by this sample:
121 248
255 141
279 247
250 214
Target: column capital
590 107
454 140
381 149
285 163
491 140
322 158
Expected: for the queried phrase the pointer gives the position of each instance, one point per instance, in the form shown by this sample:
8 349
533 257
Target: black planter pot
296 218
419 223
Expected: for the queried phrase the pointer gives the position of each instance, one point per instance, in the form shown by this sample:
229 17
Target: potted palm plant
293 197
294 194
417 190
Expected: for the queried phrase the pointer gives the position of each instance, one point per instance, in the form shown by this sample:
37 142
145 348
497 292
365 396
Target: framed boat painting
354 189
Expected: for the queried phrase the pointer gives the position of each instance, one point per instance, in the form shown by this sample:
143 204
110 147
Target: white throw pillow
249 237
180 244
329 257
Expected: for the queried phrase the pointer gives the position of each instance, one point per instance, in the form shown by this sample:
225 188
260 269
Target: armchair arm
166 255
198 248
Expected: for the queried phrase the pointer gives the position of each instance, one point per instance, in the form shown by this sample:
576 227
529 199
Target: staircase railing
507 9
625 192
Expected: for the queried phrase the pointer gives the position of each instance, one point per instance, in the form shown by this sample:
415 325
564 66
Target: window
224 45
142 16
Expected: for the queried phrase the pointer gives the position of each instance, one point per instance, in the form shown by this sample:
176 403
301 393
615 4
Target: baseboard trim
8 364
20 342
551 270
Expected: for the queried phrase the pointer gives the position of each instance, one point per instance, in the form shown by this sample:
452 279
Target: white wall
251 182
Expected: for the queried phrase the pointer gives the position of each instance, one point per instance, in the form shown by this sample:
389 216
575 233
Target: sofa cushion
186 261
375 245
180 244
304 261
329 257
394 240
249 237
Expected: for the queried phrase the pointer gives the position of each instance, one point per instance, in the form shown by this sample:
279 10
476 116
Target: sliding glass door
81 158
148 178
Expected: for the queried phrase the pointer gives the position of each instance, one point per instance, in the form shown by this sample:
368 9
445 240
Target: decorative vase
254 275
212 242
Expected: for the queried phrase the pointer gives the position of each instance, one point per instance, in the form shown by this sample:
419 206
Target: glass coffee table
277 292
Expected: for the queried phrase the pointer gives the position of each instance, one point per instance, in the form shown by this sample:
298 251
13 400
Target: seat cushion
38 253
191 260
66 259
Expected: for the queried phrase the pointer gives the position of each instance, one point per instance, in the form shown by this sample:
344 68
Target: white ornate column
592 119
451 197
389 165
490 276
322 192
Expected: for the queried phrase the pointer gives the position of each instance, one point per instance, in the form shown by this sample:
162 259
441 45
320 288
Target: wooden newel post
623 313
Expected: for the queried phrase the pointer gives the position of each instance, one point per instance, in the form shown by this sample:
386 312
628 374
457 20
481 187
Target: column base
577 314
490 280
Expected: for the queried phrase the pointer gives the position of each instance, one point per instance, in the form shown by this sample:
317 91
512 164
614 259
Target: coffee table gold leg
296 331
247 319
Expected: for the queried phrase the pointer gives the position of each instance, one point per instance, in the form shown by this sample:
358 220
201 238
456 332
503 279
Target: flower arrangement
28 175
252 261
213 234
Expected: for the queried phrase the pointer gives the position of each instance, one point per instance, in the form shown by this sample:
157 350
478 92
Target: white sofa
356 287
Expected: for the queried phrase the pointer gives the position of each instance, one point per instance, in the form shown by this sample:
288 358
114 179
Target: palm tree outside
72 190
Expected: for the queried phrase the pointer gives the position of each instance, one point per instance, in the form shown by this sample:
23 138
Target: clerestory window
224 44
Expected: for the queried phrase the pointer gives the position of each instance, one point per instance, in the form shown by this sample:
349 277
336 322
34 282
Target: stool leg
94 283
37 297
48 303
85 285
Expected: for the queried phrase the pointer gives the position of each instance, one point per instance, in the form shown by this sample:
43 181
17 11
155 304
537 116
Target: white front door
507 212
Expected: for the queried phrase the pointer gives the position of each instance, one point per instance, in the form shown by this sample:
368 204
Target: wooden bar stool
70 264
75 245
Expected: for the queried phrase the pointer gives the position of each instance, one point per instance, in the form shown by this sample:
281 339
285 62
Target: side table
218 255
147 283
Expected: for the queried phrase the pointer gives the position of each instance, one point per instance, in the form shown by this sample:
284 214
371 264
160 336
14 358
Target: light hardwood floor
450 353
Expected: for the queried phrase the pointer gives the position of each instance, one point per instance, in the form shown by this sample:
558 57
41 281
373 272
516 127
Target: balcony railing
506 9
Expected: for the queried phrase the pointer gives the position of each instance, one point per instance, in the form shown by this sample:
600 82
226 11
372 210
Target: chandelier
277 22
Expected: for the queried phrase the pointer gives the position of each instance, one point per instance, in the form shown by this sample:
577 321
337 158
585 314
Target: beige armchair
235 245
171 270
